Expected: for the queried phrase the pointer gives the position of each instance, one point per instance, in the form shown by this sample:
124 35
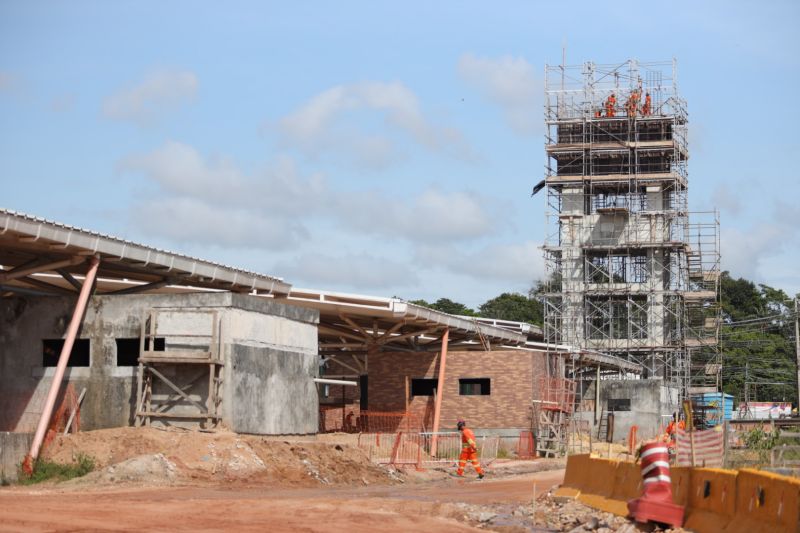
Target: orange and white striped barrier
655 503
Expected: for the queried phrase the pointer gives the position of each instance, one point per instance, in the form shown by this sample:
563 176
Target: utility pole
746 389
797 348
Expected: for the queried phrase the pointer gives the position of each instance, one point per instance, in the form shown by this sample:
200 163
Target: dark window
423 386
128 350
474 387
619 404
51 350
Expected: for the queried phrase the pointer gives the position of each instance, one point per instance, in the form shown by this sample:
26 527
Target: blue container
721 404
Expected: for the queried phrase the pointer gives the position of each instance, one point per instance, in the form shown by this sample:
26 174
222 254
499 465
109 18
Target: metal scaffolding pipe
58 376
335 382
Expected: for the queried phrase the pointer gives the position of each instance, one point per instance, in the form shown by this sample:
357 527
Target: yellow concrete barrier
711 499
716 500
577 467
600 486
765 502
627 482
681 484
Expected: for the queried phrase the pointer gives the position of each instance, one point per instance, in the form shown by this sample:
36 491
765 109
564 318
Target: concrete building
157 338
267 356
166 339
628 273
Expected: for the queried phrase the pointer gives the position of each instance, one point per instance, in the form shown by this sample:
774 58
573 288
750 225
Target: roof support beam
326 328
70 279
339 362
142 288
356 327
38 266
46 286
417 333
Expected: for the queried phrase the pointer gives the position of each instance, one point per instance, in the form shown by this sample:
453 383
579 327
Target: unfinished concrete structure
265 351
166 338
411 362
628 273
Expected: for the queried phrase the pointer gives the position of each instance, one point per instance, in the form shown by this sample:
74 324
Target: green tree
755 341
513 306
445 305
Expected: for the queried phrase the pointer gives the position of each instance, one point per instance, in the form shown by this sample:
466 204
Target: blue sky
374 147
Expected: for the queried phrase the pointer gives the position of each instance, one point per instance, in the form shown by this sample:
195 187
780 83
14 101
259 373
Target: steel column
58 376
440 388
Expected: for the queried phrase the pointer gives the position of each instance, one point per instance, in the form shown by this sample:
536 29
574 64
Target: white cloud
279 196
365 271
510 83
512 263
432 216
333 121
158 93
726 199
187 220
751 252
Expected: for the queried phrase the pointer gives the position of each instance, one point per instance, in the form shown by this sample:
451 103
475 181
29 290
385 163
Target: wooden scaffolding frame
207 362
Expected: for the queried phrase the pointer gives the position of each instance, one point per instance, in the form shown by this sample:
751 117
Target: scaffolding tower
628 271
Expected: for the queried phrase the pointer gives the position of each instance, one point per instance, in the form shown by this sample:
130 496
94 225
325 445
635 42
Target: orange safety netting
58 422
526 448
557 393
350 419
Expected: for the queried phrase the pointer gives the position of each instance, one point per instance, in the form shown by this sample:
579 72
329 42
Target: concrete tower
627 273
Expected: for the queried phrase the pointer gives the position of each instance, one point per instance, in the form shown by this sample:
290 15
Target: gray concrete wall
649 401
111 389
272 391
13 448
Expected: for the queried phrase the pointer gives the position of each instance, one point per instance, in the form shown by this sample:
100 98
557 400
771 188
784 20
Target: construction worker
469 450
611 105
647 108
632 105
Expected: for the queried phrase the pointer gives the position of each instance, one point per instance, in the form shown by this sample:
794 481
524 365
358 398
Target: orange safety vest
467 438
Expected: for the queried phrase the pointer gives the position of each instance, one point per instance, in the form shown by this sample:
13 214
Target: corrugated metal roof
24 236
381 314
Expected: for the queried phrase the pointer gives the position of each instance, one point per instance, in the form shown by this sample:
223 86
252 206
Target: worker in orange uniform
469 450
632 105
611 105
647 108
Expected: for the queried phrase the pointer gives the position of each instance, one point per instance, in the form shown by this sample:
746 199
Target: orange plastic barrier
716 500
711 499
765 502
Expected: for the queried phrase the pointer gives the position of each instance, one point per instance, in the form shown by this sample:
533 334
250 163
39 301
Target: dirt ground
155 480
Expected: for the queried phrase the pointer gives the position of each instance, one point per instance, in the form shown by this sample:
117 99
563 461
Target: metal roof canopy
356 325
39 256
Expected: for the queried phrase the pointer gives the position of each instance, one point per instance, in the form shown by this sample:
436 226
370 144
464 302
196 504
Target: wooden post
597 397
439 389
407 399
724 438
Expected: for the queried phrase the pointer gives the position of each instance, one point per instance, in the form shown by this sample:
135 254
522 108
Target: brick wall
512 374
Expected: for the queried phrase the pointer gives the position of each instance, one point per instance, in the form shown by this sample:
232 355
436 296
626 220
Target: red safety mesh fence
350 419
339 418
58 422
423 450
556 393
526 448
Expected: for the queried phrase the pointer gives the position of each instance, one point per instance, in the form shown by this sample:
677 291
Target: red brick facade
512 375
